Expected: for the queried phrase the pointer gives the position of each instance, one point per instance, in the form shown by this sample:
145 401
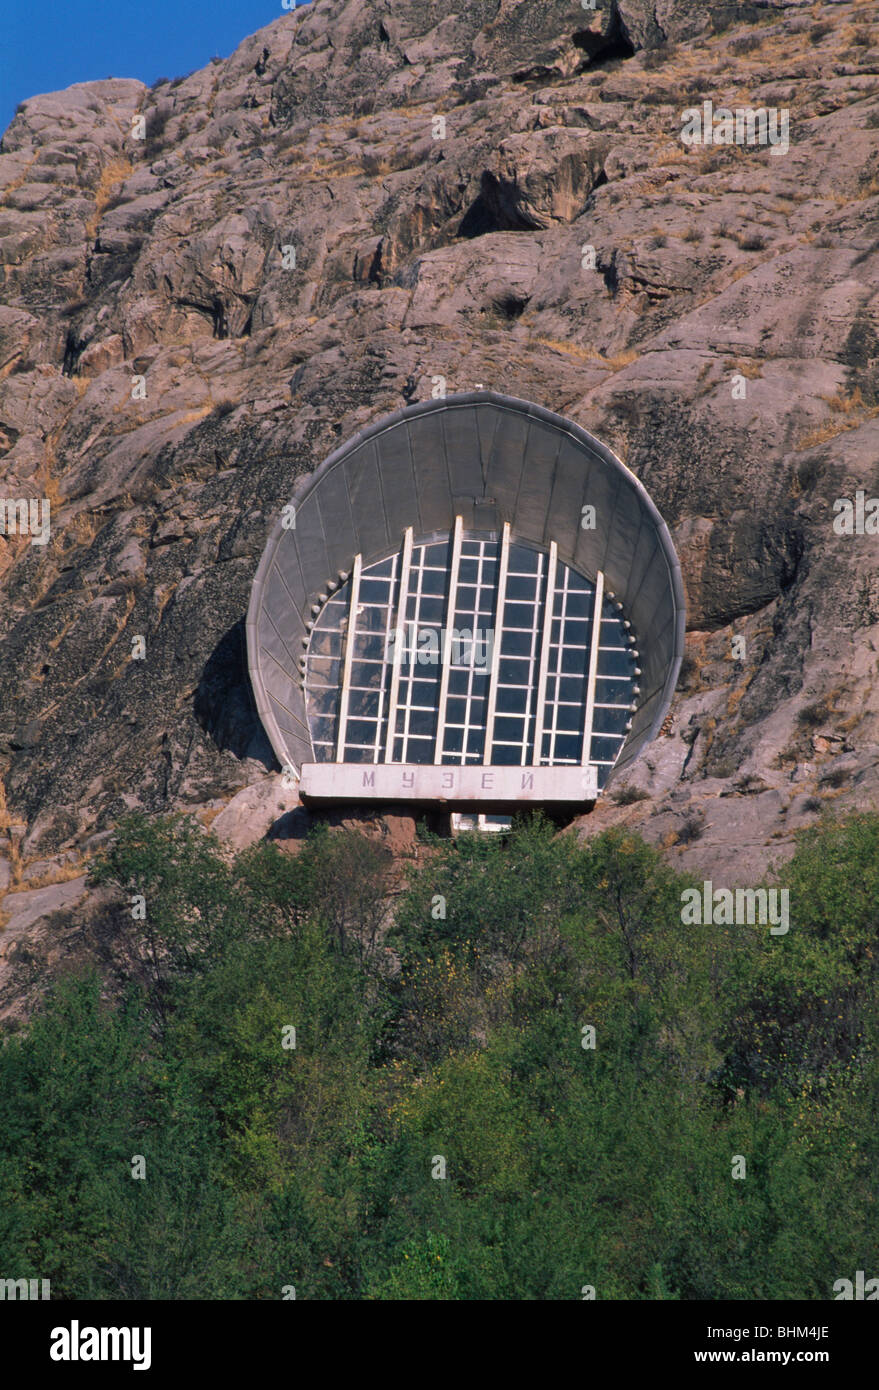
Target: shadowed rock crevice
74 347
490 212
511 306
224 705
601 49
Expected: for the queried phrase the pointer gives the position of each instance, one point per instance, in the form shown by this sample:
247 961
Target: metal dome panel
496 462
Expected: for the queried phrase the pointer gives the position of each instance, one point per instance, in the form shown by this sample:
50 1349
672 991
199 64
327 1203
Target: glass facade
471 649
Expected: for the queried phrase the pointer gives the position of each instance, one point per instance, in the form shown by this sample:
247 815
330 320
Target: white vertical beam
496 644
447 639
543 670
593 668
349 657
399 643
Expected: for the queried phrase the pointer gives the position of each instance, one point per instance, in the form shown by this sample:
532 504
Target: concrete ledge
458 788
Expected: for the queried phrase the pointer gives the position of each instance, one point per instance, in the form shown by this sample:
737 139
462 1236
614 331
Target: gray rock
252 812
24 909
160 264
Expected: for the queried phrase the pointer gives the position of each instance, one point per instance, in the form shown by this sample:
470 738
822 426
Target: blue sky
46 47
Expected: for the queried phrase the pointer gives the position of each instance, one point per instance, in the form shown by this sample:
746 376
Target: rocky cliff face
366 196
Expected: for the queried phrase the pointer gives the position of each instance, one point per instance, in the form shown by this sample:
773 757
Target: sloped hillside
299 245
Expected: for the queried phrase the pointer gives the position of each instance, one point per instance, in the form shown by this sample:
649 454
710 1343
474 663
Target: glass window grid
411 744
568 661
379 598
323 695
609 727
474 609
526 585
528 618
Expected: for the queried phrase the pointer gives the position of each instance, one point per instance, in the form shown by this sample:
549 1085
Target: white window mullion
593 668
447 640
543 670
384 693
349 658
399 643
496 644
529 689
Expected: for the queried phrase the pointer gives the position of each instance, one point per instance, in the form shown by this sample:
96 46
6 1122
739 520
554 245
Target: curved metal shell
493 459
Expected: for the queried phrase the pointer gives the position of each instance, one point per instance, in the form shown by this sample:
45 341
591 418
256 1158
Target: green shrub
534 1080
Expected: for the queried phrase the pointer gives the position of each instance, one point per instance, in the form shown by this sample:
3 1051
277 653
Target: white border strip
447 640
593 667
399 643
349 658
496 643
543 670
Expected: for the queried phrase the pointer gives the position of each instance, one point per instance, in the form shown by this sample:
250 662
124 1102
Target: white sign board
481 785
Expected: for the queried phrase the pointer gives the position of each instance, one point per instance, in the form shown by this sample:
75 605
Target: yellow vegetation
613 364
198 414
58 873
116 171
749 367
852 409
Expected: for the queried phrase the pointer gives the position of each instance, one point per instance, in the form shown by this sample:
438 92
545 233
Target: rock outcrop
365 197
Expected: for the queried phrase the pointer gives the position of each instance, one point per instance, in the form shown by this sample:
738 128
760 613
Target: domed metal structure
472 602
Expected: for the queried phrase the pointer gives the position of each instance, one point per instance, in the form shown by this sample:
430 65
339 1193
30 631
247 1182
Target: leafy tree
590 1070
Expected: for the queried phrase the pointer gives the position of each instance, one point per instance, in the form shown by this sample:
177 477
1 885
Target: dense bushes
455 1042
